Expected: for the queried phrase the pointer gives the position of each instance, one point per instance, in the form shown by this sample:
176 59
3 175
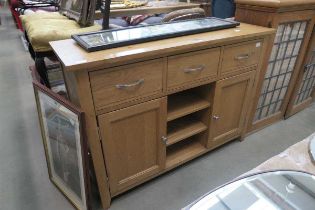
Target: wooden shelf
183 152
184 129
181 105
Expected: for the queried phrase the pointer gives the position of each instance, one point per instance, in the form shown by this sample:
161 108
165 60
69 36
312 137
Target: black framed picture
107 39
65 146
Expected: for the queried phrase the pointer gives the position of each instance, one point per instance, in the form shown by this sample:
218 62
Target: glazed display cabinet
303 94
294 22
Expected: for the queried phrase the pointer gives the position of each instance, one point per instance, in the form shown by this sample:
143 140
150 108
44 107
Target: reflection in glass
62 135
110 37
287 45
287 190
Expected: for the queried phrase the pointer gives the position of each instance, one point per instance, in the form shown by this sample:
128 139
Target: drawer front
191 67
127 82
236 57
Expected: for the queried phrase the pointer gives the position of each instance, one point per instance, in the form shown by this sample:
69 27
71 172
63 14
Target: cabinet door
281 73
132 143
302 94
231 99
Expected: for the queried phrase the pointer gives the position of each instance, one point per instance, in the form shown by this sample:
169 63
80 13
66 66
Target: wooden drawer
191 67
127 82
237 57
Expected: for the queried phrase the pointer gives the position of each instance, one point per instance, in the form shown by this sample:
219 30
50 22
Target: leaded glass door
282 61
302 96
308 82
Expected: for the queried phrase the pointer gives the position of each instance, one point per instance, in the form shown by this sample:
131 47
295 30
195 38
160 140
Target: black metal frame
40 65
86 46
37 4
104 6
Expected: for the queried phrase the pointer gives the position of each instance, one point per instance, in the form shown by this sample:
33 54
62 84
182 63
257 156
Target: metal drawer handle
164 139
216 117
124 86
242 57
191 70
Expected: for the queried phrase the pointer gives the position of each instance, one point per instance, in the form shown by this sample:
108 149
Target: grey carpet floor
24 182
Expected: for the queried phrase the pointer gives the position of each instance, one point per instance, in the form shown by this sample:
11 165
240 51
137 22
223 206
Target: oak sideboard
153 106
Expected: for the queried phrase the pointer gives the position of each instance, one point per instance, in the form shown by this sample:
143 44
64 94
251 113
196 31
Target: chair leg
42 70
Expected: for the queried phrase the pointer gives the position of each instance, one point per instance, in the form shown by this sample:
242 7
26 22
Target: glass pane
62 137
268 190
308 82
282 61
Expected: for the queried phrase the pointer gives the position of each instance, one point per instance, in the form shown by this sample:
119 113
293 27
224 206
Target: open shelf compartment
184 151
182 104
183 128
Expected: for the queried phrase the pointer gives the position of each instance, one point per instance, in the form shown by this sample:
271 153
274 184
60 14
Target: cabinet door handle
124 86
242 57
216 117
164 139
192 70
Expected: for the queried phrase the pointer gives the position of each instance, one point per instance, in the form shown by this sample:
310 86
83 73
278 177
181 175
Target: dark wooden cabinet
230 105
133 146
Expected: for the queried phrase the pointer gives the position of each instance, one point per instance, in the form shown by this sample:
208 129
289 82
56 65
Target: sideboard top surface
74 58
276 3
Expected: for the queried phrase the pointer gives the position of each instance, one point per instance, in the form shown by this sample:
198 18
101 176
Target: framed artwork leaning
107 39
82 11
65 146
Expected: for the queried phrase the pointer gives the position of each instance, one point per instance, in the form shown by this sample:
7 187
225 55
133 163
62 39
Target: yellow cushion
42 31
41 15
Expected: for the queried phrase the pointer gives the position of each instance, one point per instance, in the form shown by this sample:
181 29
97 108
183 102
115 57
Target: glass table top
287 190
312 149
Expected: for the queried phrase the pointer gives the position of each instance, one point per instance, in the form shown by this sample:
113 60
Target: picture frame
65 145
73 9
82 11
107 39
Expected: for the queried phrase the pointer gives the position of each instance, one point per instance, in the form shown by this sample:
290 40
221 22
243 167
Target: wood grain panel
278 3
86 104
75 58
231 100
133 146
140 80
238 57
191 67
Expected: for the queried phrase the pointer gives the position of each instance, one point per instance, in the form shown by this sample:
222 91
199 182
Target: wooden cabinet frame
294 108
270 15
247 80
78 66
115 147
